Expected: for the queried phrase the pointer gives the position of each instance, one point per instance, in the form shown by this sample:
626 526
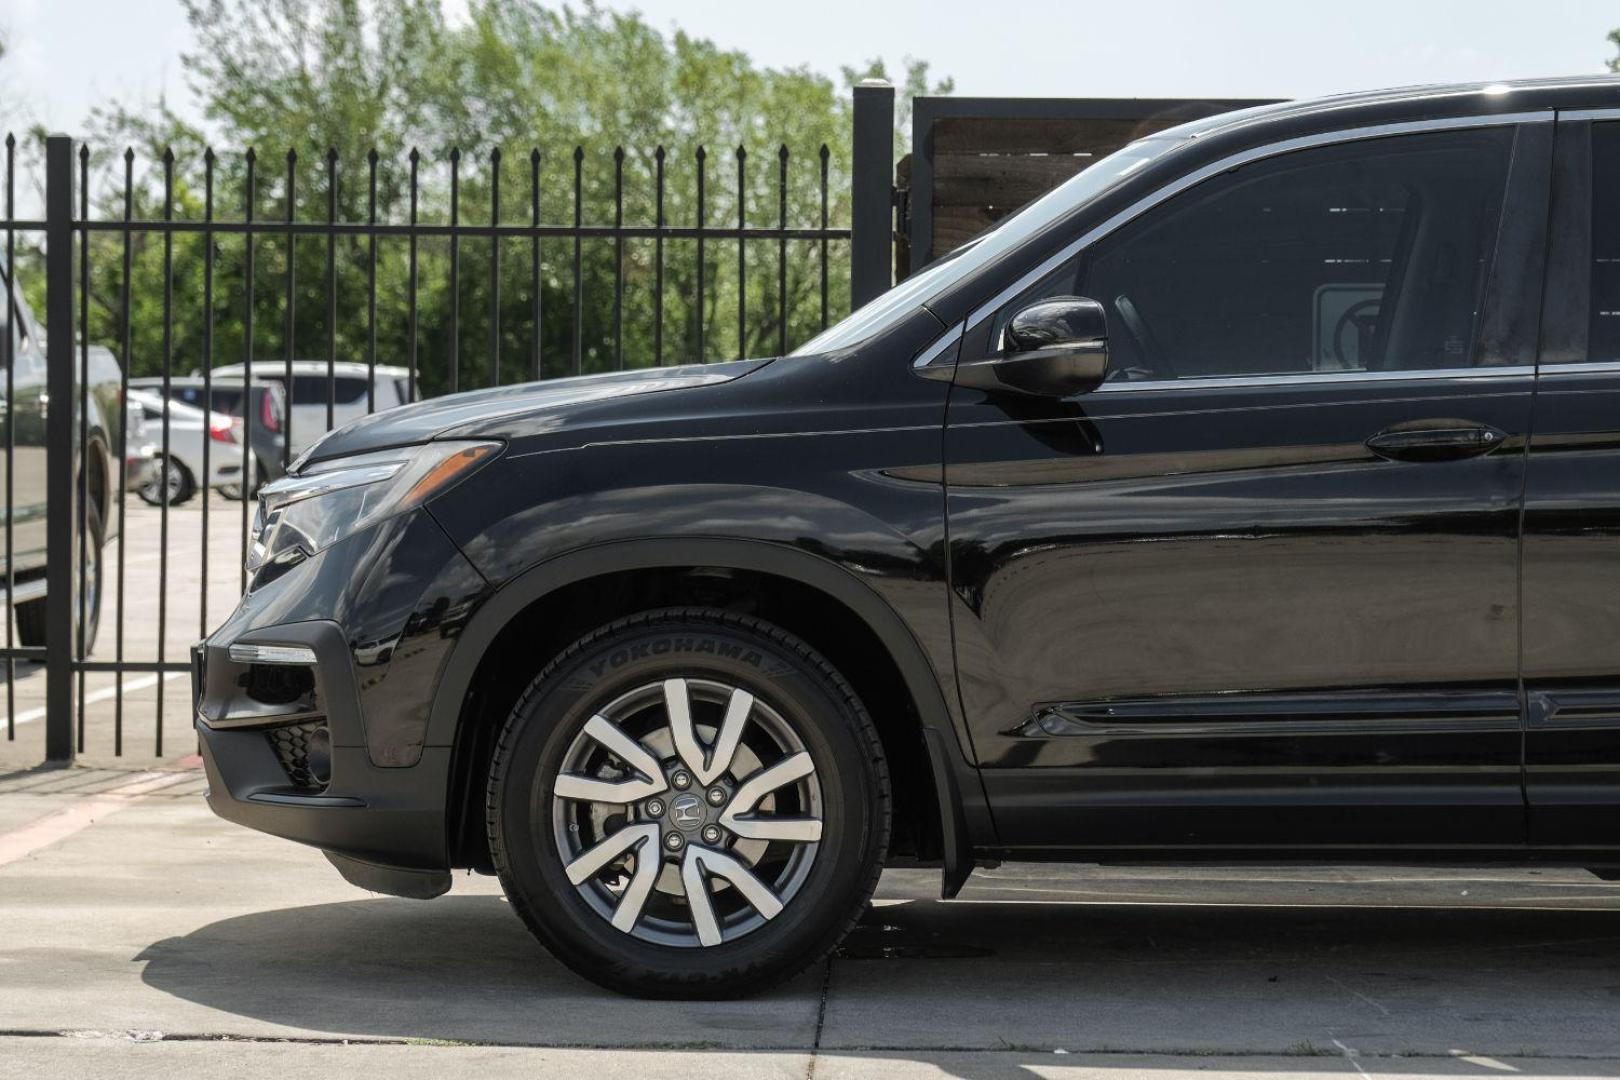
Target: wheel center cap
686 812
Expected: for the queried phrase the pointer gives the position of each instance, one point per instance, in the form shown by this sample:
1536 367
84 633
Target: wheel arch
954 781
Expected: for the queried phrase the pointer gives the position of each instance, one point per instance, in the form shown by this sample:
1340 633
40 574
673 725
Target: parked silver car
186 464
310 395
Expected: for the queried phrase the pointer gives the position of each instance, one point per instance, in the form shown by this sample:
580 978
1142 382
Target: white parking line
105 693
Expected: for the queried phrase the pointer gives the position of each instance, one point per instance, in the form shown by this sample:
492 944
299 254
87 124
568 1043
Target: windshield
910 294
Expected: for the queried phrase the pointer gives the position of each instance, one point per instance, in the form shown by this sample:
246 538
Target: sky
69 55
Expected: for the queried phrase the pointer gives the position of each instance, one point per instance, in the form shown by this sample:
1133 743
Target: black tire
183 484
256 471
797 686
31 615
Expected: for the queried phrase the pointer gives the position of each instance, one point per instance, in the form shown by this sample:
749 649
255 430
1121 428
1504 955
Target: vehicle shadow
1314 987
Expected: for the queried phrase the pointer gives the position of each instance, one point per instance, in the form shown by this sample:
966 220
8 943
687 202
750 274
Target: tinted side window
350 390
1363 256
227 401
311 389
1603 340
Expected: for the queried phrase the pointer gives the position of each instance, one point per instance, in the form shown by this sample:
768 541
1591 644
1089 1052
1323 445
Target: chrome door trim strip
1602 367
1471 375
1175 187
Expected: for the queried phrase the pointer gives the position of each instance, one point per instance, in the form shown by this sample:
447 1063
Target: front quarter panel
837 457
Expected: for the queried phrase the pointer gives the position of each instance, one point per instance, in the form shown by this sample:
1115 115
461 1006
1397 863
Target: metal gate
240 263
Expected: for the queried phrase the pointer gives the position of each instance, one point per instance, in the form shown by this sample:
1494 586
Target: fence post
871 240
59 449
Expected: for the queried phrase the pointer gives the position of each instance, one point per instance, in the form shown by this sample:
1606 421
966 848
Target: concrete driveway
140 936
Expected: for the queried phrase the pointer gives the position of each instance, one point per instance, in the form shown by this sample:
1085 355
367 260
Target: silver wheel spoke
711 764
737 816
648 864
592 861
749 887
731 729
627 750
756 787
799 830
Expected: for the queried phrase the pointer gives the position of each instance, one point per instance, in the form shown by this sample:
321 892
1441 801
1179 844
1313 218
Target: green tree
328 81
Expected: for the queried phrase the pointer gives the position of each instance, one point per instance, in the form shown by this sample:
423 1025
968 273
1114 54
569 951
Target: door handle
1436 440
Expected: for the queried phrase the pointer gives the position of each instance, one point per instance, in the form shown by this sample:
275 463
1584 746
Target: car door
1260 587
1572 506
26 409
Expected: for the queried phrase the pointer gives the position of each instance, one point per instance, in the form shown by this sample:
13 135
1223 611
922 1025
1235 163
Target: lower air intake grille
305 751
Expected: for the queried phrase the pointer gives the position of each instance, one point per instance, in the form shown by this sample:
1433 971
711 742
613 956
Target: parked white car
189 429
307 399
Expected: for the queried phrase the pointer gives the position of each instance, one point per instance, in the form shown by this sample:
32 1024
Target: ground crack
821 1020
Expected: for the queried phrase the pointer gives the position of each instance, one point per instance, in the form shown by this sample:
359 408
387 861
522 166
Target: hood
425 420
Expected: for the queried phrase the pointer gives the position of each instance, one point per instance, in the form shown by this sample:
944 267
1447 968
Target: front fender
965 817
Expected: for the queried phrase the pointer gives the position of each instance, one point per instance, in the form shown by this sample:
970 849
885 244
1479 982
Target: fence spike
371 156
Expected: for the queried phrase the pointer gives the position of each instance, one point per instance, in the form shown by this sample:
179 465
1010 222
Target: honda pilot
1252 496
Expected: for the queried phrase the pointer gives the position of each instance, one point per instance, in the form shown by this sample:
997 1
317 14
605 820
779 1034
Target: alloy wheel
170 476
687 812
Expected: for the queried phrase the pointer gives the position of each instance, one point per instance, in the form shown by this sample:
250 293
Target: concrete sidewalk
140 936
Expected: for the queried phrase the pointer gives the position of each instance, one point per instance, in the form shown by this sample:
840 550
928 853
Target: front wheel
171 473
688 803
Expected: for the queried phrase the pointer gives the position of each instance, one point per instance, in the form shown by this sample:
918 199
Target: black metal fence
181 266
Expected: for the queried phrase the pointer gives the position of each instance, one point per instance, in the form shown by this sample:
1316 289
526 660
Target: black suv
1255 495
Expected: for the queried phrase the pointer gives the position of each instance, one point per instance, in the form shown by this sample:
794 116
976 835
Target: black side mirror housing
1056 347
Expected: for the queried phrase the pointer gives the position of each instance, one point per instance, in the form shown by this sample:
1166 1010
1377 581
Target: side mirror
1052 348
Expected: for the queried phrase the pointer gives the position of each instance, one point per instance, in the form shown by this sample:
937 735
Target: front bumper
384 816
325 745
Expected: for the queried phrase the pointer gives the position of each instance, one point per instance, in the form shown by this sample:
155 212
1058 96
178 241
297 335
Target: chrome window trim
1197 176
940 347
1589 114
1517 371
1577 367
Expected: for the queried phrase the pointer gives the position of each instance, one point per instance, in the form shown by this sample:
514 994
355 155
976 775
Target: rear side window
227 401
1603 328
311 390
1362 256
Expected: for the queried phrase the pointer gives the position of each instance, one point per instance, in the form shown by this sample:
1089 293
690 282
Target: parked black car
264 415
1193 513
24 407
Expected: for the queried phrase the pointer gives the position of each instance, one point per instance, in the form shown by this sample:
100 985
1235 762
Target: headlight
309 512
